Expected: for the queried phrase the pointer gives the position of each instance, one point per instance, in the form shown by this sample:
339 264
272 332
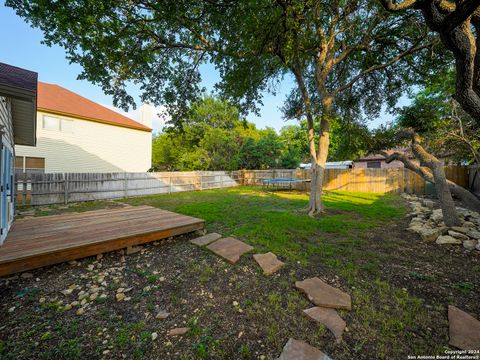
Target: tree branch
360 45
462 12
393 7
476 155
373 68
467 198
308 111
409 164
417 149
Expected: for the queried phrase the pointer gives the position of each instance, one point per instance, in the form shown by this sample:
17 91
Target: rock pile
427 221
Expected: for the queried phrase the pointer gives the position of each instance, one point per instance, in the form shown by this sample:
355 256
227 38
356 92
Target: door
6 190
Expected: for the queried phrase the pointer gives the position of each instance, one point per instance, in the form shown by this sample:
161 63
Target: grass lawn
400 285
275 221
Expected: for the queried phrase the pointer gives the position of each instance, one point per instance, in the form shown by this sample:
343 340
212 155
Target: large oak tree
347 57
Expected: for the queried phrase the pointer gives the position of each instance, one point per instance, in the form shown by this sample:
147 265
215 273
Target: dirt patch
435 273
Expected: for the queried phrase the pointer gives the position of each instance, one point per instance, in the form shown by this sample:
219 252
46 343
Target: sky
20 45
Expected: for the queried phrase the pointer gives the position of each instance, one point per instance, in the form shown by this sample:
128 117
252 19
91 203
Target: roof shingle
57 99
16 77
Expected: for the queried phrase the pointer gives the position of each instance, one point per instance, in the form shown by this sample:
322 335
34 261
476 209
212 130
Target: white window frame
52 117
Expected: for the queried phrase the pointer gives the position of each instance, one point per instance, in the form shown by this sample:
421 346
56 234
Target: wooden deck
40 241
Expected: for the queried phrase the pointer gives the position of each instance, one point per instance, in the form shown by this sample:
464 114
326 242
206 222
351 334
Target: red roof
56 99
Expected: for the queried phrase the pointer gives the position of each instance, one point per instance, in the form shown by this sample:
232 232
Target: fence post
170 183
65 186
201 182
125 185
24 188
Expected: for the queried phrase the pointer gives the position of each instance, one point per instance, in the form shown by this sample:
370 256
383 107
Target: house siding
6 119
91 147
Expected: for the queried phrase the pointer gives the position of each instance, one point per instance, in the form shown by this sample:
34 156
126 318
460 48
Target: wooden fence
57 188
42 189
361 180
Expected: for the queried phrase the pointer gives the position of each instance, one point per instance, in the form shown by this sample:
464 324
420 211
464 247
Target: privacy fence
58 188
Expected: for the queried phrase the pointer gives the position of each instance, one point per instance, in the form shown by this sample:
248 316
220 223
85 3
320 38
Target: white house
75 134
18 89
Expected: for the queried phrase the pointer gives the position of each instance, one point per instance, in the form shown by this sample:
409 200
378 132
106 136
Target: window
54 123
374 165
51 123
34 164
29 164
66 126
19 162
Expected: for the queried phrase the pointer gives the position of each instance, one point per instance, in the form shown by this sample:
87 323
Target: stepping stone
329 318
300 350
268 262
178 331
322 294
464 329
206 239
230 249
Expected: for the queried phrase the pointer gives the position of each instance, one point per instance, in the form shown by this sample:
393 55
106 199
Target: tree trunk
450 216
454 22
315 206
315 199
449 211
466 197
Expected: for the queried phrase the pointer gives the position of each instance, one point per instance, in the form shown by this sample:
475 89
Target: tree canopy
215 137
347 58
447 130
458 25
160 45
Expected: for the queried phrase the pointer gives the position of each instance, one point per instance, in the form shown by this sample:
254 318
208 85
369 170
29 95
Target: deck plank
40 241
101 233
38 231
28 222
